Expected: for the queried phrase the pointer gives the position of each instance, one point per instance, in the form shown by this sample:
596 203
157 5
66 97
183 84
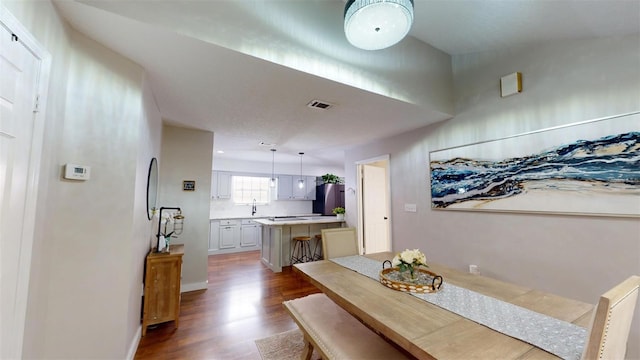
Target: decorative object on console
406 273
377 24
587 168
177 219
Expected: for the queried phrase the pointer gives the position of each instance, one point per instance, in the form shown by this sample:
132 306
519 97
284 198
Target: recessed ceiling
246 70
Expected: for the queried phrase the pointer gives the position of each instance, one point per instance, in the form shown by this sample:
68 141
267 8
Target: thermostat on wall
77 172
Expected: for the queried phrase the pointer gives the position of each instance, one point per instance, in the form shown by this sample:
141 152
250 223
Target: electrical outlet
473 269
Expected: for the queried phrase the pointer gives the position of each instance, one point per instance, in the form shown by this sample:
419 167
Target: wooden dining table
427 331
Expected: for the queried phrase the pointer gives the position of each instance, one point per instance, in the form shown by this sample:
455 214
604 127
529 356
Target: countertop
302 220
262 217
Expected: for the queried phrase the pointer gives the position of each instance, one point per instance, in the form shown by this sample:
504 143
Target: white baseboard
134 344
234 250
194 286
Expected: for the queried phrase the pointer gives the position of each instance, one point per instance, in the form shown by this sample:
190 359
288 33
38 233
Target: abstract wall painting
587 168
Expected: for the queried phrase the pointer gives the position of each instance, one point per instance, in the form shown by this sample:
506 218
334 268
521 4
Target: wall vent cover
318 104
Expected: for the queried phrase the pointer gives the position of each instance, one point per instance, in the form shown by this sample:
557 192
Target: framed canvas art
588 168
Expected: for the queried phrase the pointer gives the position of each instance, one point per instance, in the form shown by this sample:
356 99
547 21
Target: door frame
12 24
360 200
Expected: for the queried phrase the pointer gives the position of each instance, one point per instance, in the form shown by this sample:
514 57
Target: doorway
24 67
374 205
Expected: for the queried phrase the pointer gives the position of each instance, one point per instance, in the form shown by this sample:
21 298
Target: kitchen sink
285 218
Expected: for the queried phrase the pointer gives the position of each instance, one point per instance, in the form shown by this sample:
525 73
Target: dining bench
336 334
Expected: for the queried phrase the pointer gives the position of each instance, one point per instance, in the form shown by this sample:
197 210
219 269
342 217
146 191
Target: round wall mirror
152 188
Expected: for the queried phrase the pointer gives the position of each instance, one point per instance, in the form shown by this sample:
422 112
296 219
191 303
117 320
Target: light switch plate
410 207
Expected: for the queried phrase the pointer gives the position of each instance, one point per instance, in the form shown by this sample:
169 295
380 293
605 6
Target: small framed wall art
188 185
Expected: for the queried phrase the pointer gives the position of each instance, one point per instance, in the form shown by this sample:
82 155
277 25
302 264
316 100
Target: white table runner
558 337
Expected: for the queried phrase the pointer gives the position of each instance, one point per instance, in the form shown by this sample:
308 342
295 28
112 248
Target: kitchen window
248 188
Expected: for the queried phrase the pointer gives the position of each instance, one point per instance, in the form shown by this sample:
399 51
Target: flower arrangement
409 260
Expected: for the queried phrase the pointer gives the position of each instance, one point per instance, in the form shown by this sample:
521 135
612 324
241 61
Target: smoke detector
319 104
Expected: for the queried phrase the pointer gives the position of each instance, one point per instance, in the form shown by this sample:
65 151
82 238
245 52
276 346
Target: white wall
90 262
227 209
222 209
575 256
143 229
222 164
186 155
40 19
91 237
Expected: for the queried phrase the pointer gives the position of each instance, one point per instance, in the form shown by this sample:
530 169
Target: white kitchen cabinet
250 233
310 186
229 234
271 245
214 236
299 193
285 187
288 188
234 235
221 185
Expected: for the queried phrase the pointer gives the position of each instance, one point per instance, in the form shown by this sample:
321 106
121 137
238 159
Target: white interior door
19 155
375 208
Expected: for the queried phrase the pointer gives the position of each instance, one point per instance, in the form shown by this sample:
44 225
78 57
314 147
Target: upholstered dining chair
337 242
611 322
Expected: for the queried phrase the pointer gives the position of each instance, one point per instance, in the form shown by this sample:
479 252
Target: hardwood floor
243 303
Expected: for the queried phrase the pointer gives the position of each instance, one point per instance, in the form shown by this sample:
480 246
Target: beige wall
187 155
91 237
86 274
149 144
575 256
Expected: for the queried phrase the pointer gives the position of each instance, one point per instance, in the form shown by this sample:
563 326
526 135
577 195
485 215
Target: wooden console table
162 287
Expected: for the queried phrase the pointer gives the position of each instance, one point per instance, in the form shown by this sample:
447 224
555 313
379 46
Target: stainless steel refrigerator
328 197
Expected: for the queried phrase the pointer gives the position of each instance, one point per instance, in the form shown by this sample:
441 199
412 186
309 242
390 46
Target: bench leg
308 350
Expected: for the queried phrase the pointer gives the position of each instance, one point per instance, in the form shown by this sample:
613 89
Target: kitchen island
278 231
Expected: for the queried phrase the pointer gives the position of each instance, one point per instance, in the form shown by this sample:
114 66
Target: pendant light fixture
301 180
273 173
377 24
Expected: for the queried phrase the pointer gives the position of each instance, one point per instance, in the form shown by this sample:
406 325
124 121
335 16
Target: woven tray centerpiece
406 273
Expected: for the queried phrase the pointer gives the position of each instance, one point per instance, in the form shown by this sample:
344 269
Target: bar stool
301 251
317 250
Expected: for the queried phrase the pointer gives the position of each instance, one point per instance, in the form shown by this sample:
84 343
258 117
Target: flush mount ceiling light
377 24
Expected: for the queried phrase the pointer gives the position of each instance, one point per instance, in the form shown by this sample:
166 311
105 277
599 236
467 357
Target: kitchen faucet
254 209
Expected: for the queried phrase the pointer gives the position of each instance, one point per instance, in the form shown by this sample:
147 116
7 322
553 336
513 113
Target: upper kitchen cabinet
310 186
285 187
221 185
288 188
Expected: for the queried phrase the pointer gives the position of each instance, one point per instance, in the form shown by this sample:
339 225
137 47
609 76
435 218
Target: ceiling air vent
317 104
